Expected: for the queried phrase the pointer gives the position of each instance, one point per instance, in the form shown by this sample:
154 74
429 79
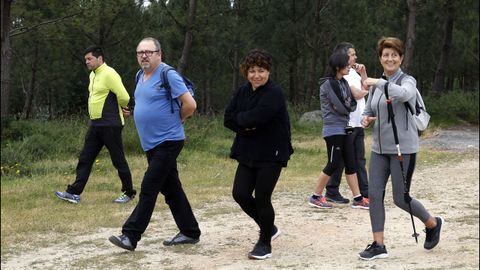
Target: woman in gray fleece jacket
384 160
336 103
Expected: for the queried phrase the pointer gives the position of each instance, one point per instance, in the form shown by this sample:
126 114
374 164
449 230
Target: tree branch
171 15
25 29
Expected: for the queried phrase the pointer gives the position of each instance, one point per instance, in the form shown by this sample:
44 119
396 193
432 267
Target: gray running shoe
68 197
180 239
123 198
122 241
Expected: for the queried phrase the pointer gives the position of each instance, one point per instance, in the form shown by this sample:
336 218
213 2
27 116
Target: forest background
44 119
44 78
44 75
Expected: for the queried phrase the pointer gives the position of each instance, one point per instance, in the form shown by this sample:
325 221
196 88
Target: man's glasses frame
147 53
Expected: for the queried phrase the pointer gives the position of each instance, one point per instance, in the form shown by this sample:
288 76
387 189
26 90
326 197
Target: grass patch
29 207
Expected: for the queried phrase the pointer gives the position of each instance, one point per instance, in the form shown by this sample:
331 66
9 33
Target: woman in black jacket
258 115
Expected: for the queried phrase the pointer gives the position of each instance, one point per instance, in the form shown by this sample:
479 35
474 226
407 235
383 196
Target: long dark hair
338 60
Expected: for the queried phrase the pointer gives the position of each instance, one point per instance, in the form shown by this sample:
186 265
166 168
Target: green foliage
300 35
25 142
454 107
207 133
131 142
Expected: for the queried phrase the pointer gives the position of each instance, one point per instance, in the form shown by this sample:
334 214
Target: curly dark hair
258 58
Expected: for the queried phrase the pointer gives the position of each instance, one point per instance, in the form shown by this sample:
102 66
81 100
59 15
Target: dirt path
311 238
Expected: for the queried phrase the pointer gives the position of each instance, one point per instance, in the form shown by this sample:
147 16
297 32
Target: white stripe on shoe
276 235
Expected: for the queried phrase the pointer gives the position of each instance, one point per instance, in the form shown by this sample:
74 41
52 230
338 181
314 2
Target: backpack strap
399 80
166 85
336 89
407 105
132 98
164 77
137 76
389 103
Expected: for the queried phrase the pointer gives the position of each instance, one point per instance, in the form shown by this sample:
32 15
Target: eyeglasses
147 53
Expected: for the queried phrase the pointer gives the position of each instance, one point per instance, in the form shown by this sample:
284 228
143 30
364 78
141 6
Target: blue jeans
162 176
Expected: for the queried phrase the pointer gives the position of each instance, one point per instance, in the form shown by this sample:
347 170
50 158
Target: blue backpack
166 85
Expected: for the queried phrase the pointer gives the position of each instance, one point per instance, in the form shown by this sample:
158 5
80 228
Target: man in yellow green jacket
107 103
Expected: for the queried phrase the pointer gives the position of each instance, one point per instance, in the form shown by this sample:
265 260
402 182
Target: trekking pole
406 194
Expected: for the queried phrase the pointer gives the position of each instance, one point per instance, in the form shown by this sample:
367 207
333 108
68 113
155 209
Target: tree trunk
30 91
312 86
410 40
450 81
293 80
208 97
6 57
315 46
293 59
204 105
439 81
236 57
187 45
235 69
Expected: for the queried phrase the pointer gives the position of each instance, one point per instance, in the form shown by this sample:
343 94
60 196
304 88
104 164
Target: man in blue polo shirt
162 137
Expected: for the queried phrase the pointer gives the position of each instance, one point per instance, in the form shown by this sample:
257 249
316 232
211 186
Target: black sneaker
373 251
122 241
260 252
275 233
180 239
433 235
337 199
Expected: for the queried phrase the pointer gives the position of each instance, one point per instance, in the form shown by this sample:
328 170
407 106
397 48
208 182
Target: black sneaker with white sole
433 235
260 252
373 251
275 233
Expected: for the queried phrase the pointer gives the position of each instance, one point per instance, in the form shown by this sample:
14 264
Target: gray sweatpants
380 168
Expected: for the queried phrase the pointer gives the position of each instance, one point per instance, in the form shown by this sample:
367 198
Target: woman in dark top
258 115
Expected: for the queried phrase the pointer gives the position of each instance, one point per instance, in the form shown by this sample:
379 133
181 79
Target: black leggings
340 148
259 208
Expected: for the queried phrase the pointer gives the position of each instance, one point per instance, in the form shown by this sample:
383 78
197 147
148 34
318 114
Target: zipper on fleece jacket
379 128
90 94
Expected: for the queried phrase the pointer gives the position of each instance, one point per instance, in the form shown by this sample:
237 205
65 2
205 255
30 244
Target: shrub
454 107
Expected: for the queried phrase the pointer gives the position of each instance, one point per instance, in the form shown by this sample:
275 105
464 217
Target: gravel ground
311 238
